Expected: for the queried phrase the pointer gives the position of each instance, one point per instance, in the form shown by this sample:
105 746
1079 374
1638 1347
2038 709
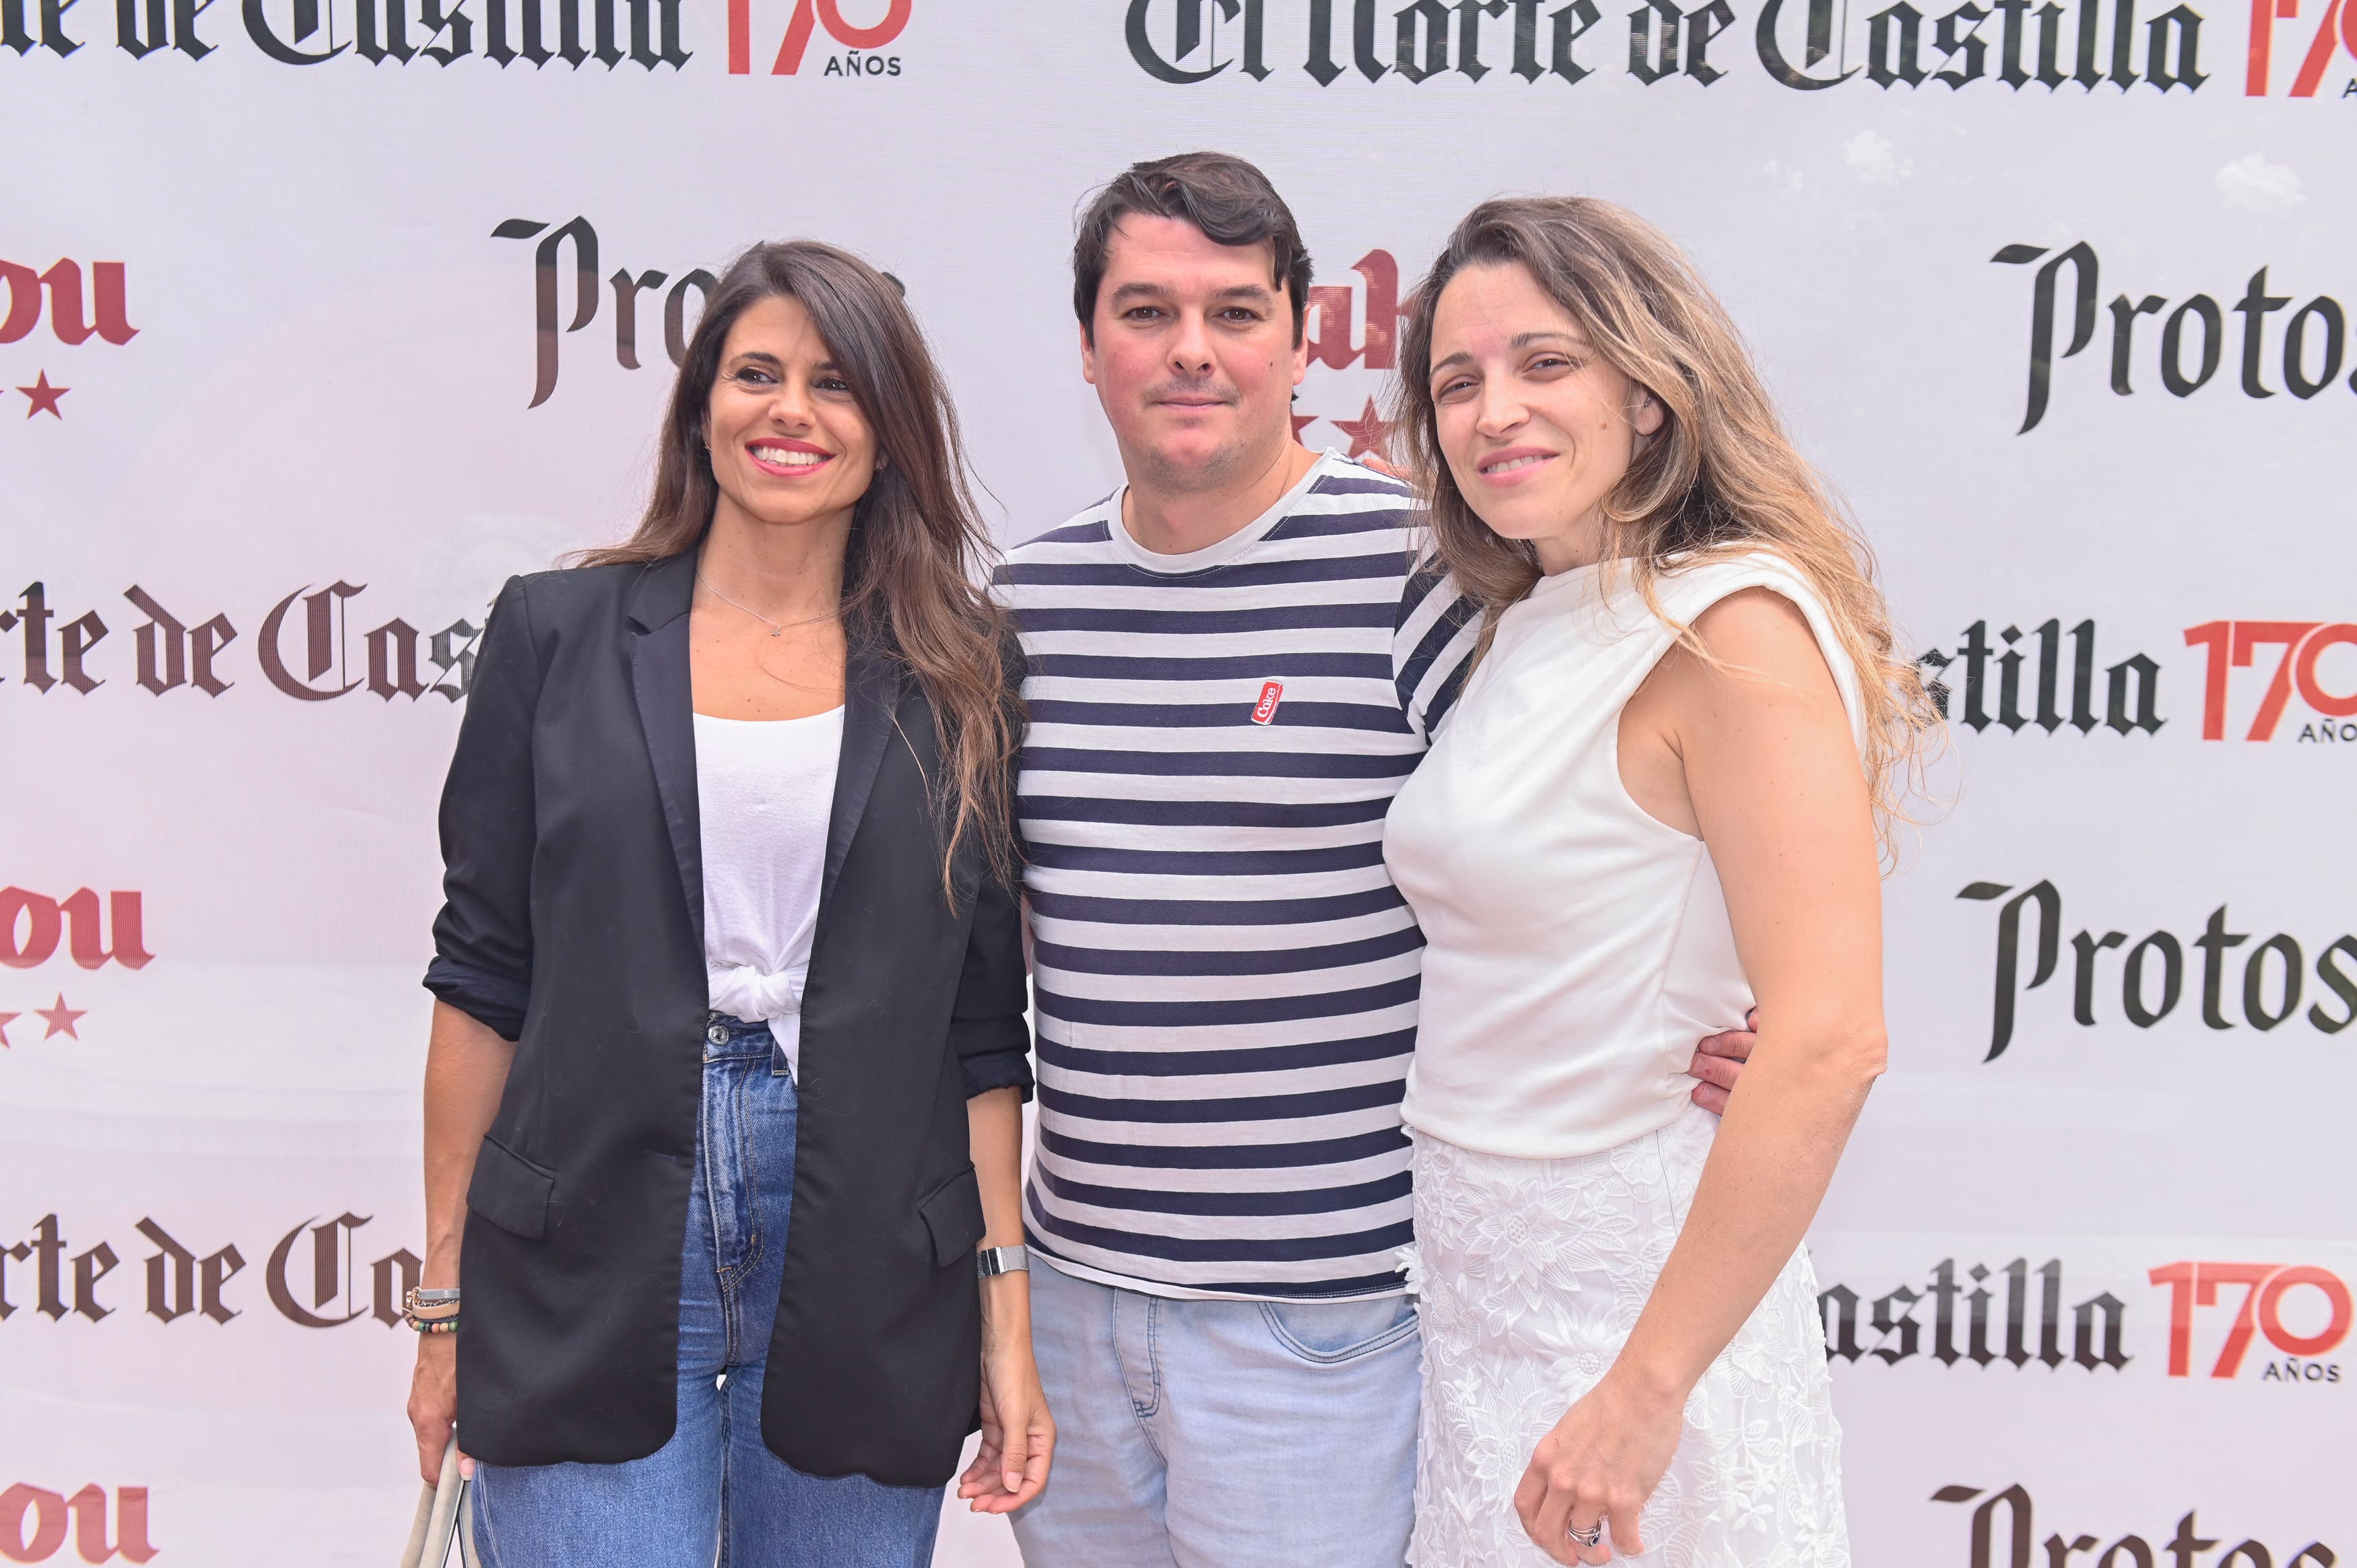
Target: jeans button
717 1034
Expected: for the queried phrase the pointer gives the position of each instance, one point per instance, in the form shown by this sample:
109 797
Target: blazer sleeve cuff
993 1053
494 1001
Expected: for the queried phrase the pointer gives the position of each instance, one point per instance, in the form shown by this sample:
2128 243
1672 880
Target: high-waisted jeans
714 1493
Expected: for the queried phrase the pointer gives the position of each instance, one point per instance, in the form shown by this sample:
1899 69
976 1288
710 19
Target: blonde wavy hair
1719 479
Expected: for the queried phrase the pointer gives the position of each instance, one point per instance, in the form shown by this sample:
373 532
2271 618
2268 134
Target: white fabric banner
323 316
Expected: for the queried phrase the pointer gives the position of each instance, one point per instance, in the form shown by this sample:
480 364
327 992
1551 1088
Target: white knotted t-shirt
765 790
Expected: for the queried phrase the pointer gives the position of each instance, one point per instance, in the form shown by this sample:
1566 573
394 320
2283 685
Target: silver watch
993 1260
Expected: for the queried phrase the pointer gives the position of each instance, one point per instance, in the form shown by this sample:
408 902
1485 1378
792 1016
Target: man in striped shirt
1235 663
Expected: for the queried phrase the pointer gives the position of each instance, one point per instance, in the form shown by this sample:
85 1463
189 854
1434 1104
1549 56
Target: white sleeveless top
1576 947
764 793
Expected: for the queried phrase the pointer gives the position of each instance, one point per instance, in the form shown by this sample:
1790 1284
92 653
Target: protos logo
587 294
2006 1543
2152 973
2336 29
2191 343
2267 1287
808 17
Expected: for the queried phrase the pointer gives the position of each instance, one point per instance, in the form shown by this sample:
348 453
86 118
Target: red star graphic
7 1019
44 396
59 1018
1367 433
1300 420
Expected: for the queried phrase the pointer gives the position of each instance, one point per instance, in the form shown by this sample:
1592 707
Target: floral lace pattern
1531 1273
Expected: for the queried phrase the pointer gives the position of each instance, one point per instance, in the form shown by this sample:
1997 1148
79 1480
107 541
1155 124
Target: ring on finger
1591 1535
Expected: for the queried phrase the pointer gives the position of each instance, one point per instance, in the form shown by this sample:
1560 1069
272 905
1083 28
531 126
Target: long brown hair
918 555
1719 479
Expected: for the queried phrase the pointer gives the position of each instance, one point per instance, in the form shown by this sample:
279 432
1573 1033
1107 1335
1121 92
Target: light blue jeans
1222 1433
714 1488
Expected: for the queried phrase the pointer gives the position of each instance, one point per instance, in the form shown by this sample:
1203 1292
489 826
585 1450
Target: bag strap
444 1510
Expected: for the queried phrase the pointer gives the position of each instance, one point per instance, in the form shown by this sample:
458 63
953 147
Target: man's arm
1718 1062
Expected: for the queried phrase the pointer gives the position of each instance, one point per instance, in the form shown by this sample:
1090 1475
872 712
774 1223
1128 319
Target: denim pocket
1330 1332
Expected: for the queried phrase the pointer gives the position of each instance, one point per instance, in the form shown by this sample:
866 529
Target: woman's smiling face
789 444
1536 427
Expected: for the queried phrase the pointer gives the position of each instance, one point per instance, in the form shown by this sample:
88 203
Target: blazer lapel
871 698
660 681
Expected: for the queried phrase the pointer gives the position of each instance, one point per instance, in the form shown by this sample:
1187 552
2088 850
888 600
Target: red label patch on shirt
1272 693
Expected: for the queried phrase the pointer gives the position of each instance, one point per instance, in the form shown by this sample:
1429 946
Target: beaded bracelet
431 1311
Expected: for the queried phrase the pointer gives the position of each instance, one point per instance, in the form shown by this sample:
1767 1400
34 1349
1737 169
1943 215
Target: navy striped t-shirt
1226 978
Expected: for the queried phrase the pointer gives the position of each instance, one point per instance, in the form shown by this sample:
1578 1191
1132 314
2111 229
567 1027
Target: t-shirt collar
1233 546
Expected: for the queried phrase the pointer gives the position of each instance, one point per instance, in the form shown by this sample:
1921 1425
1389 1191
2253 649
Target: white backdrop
300 359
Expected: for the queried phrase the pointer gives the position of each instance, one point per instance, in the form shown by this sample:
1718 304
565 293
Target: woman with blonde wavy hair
1658 805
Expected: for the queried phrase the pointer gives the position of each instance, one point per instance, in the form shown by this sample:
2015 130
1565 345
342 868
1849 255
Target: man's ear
1088 356
1301 354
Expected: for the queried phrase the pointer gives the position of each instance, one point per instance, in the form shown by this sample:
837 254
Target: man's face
1192 354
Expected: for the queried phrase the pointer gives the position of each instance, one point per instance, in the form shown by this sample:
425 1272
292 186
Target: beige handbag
444 1510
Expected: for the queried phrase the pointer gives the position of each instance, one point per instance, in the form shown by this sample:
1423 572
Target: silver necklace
777 628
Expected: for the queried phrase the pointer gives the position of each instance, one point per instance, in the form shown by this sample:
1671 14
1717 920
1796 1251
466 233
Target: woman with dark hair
1657 805
723 1096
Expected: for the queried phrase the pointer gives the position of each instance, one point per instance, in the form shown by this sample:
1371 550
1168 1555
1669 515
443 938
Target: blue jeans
714 1489
1222 1433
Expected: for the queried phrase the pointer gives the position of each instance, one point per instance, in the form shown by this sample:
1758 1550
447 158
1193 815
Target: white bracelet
993 1260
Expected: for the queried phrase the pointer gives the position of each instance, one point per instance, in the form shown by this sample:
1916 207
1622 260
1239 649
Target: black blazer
573 926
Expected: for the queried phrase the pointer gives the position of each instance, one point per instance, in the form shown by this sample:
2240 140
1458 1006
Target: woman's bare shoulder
1757 631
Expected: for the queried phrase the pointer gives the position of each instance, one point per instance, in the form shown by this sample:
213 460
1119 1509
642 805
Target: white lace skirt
1531 1273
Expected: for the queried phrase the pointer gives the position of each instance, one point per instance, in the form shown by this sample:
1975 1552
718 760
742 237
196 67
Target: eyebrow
1520 340
1253 292
763 357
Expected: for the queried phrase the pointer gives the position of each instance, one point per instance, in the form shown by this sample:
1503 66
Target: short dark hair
1227 199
